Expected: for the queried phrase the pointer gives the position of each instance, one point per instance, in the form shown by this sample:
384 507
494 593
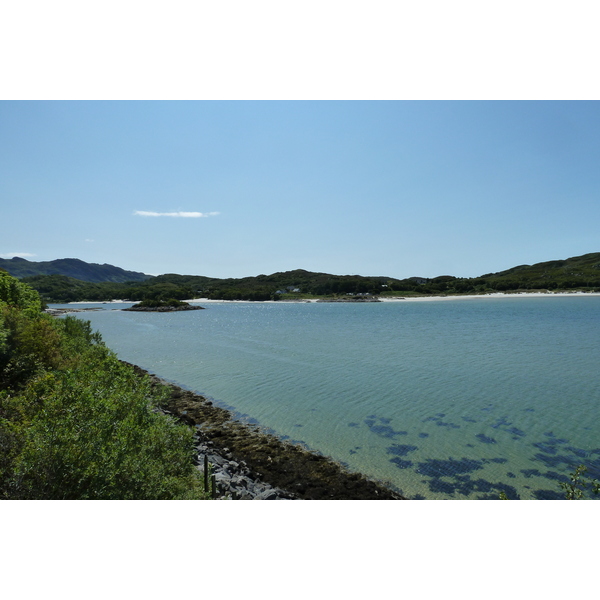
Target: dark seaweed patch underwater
458 472
382 428
401 450
569 456
438 421
454 478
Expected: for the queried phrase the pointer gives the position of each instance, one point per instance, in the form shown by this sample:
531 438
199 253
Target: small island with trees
170 305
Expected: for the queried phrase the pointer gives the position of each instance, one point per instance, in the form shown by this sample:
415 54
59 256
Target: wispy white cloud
88 240
19 254
185 215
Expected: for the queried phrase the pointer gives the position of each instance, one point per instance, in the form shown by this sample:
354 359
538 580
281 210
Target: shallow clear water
449 399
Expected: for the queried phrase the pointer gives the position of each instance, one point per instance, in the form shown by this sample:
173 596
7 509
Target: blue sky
240 188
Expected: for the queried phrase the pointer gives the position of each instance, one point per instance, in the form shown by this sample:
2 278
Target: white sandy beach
428 298
494 295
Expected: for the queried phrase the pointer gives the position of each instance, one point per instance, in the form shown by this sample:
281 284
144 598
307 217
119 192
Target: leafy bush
30 344
75 422
93 433
16 294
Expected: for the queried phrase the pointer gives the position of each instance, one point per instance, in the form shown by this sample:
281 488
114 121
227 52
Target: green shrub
75 422
94 434
19 295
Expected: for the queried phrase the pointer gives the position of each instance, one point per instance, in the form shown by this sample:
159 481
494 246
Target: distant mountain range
71 267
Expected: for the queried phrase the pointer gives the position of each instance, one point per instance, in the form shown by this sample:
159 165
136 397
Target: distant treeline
59 288
581 272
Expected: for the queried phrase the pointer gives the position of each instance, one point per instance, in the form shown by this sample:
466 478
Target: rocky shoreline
249 464
59 312
348 300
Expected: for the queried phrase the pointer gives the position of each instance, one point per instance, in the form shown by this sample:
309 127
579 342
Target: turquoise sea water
440 399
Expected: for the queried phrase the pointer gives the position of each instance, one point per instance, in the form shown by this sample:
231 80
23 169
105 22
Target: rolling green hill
577 273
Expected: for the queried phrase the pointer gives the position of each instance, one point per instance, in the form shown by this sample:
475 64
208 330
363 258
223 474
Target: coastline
398 298
251 464
432 298
492 295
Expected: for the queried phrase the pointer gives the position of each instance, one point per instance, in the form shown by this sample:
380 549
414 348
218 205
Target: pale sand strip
494 295
428 298
391 299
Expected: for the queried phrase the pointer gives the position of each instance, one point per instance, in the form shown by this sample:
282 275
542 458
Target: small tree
576 489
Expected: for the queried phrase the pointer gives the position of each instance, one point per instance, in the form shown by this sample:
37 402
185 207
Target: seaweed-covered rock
251 464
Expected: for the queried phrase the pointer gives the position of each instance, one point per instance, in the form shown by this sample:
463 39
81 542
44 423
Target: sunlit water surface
449 399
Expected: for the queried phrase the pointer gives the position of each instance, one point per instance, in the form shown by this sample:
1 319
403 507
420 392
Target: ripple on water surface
453 399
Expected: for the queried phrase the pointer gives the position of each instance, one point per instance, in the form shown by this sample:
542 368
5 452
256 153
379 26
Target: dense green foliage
169 303
58 288
75 422
578 273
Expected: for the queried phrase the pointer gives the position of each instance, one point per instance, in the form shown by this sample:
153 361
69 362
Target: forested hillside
71 267
577 273
58 288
